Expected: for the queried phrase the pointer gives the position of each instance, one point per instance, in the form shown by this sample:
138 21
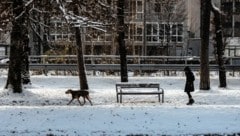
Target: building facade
151 28
231 25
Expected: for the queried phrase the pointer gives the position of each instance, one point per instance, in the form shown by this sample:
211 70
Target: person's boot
191 101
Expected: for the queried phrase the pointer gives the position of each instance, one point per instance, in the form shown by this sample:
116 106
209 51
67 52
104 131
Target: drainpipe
233 19
144 47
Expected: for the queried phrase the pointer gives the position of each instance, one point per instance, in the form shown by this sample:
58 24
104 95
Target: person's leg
189 95
191 101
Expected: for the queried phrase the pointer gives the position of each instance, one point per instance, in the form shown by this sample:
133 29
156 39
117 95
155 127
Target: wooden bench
121 89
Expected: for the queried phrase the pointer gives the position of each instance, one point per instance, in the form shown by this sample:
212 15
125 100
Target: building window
157 7
152 32
164 32
139 33
164 6
232 18
138 50
161 32
59 31
237 6
139 10
135 32
93 35
237 29
134 9
177 33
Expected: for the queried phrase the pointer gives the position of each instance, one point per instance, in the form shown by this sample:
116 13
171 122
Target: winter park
119 68
42 108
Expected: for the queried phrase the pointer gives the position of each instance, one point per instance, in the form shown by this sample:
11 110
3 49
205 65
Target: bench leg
120 98
117 98
159 99
163 98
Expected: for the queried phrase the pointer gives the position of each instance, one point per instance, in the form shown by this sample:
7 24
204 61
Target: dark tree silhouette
80 60
219 46
205 25
19 40
121 42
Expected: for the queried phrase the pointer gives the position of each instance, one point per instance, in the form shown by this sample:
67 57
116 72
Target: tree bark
219 47
121 42
19 36
25 63
205 25
80 60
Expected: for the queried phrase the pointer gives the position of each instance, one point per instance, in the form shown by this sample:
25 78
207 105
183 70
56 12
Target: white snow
41 109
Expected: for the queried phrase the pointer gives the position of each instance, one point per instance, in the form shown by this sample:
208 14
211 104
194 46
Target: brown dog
76 94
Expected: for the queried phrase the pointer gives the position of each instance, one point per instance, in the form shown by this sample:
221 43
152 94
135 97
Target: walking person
189 86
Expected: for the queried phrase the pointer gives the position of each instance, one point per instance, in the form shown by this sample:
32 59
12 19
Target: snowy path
119 120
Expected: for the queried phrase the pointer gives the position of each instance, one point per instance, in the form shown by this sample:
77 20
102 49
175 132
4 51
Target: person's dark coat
189 87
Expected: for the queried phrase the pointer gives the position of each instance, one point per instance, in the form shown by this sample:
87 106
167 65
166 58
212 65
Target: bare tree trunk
81 65
19 38
26 51
121 42
219 46
25 63
205 25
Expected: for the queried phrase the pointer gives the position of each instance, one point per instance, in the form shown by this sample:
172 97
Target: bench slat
141 85
140 93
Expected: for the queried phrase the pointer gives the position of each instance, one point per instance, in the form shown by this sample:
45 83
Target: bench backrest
137 85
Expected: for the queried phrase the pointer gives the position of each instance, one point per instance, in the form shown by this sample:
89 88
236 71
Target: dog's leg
87 97
84 101
70 102
79 102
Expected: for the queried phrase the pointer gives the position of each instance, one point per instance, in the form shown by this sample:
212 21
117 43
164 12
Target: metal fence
112 62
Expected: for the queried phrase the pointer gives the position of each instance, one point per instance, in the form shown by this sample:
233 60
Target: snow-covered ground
41 109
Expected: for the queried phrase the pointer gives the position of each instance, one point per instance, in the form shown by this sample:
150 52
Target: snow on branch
36 21
216 9
103 4
35 9
98 28
23 12
20 15
78 21
28 3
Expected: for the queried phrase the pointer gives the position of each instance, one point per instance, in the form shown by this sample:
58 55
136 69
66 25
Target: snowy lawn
41 109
